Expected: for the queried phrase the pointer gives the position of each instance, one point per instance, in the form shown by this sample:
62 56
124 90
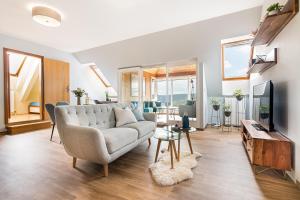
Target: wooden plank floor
31 167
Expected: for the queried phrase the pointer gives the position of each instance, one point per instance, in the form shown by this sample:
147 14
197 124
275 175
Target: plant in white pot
78 94
274 9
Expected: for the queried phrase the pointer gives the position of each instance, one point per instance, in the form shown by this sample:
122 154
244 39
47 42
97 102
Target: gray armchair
189 108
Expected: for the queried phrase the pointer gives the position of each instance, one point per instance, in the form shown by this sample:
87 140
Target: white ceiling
92 23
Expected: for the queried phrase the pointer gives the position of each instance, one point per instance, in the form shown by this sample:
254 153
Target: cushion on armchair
146 104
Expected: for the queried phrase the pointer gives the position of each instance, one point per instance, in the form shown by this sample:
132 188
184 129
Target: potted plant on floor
215 103
274 9
238 94
264 111
78 93
227 110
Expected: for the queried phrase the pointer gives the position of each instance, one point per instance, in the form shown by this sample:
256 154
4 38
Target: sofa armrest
85 143
150 117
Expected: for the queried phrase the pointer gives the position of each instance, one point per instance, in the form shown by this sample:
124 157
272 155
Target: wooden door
56 81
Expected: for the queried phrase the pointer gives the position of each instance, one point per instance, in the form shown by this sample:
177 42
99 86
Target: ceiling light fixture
46 16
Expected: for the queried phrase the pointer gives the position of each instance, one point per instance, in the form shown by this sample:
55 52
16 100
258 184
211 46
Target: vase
78 100
185 121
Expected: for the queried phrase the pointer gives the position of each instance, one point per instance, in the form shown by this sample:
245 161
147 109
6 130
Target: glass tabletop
180 129
167 135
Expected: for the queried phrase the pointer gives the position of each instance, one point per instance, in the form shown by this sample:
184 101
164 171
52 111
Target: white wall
198 40
80 75
228 87
285 76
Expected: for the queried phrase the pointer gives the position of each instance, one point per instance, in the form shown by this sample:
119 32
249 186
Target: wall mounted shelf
273 24
261 66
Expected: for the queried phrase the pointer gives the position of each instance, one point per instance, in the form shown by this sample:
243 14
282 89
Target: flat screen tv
263 105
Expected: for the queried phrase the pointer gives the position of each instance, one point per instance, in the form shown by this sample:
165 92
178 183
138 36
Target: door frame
7 86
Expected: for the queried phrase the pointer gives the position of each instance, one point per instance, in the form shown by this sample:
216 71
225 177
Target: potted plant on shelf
238 94
215 103
227 109
274 9
78 93
264 111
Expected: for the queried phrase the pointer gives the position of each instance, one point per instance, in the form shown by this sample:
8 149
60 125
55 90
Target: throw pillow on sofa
124 116
138 114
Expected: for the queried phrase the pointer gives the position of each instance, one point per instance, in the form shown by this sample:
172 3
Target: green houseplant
78 93
274 9
238 94
264 111
227 109
215 103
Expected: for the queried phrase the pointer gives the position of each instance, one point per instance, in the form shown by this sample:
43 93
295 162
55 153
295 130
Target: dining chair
50 109
62 103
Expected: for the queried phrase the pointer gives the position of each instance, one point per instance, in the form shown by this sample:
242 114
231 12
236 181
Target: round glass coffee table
170 134
164 134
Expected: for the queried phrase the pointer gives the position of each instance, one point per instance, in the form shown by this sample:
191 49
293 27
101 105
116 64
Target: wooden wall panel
56 81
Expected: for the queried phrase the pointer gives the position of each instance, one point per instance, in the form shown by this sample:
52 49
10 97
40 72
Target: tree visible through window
235 60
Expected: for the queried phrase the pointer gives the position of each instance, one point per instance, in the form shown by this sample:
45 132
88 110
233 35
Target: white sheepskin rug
165 176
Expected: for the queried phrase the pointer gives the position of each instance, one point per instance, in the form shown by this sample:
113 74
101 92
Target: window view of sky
236 60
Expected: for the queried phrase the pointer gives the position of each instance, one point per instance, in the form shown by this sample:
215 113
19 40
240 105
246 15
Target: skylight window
100 75
235 59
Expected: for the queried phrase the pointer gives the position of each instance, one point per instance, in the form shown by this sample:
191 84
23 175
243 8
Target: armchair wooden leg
149 141
105 170
74 162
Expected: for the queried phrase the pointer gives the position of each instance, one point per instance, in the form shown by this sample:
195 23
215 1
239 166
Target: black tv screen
263 105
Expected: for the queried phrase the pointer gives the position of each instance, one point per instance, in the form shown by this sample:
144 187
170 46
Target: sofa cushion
138 114
124 116
117 138
143 127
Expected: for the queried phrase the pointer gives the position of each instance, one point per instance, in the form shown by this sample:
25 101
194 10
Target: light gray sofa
89 132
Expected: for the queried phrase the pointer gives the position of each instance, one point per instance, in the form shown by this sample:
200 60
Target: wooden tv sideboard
270 150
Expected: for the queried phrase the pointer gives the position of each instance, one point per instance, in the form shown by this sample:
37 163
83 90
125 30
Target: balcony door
160 89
